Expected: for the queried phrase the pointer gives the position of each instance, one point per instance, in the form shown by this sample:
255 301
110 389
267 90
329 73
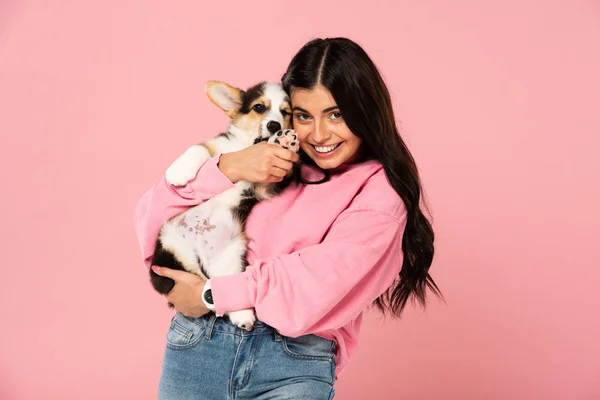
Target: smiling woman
318 255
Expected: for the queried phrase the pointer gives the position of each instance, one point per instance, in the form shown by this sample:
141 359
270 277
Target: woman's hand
262 162
186 295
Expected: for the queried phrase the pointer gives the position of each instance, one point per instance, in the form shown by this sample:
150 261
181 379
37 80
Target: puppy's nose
273 126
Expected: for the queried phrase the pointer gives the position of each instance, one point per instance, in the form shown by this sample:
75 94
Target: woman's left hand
186 295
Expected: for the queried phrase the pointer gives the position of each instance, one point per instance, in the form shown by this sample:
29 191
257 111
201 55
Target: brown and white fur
262 112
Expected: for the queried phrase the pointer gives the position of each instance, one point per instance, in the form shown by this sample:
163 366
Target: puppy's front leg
186 166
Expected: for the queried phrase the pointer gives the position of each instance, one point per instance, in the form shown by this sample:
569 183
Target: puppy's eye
259 108
285 113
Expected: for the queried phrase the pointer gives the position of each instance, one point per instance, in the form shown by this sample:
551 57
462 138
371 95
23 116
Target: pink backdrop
499 102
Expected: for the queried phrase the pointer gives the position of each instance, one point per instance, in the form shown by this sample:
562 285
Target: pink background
500 104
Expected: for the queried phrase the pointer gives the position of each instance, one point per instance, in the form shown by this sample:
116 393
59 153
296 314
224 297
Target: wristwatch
207 296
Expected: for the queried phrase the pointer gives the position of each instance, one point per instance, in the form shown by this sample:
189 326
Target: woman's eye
336 115
259 108
303 117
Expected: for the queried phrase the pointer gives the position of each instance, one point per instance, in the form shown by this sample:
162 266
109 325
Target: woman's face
323 134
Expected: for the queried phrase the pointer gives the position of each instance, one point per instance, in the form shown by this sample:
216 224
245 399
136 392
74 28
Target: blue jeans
210 358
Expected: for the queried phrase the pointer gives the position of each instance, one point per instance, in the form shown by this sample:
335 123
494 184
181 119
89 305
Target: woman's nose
320 133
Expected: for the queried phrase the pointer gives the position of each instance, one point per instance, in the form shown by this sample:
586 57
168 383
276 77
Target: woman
348 233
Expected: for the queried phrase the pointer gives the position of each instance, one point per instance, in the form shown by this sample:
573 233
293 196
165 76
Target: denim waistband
222 324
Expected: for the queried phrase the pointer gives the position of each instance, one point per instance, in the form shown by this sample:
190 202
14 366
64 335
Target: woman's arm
323 286
263 162
163 201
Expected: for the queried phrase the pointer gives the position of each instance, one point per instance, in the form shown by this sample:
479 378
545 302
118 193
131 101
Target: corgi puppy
208 239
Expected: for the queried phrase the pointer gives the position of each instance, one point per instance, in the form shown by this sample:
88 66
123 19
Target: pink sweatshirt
319 255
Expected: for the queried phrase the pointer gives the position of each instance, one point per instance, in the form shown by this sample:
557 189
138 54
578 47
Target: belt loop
210 325
277 335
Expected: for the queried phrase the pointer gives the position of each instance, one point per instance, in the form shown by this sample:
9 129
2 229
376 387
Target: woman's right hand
262 162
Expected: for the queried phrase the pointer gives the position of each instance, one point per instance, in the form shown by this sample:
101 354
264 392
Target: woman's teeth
326 149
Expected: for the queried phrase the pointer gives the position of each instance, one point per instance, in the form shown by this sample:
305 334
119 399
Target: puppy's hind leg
232 260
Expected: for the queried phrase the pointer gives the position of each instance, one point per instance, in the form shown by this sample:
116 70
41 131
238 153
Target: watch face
208 296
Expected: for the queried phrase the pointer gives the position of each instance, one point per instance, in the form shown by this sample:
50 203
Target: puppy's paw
287 138
243 318
186 166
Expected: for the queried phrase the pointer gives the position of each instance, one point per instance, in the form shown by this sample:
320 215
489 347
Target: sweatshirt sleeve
163 201
324 286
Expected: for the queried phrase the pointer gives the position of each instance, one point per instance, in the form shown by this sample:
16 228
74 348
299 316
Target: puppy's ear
226 97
